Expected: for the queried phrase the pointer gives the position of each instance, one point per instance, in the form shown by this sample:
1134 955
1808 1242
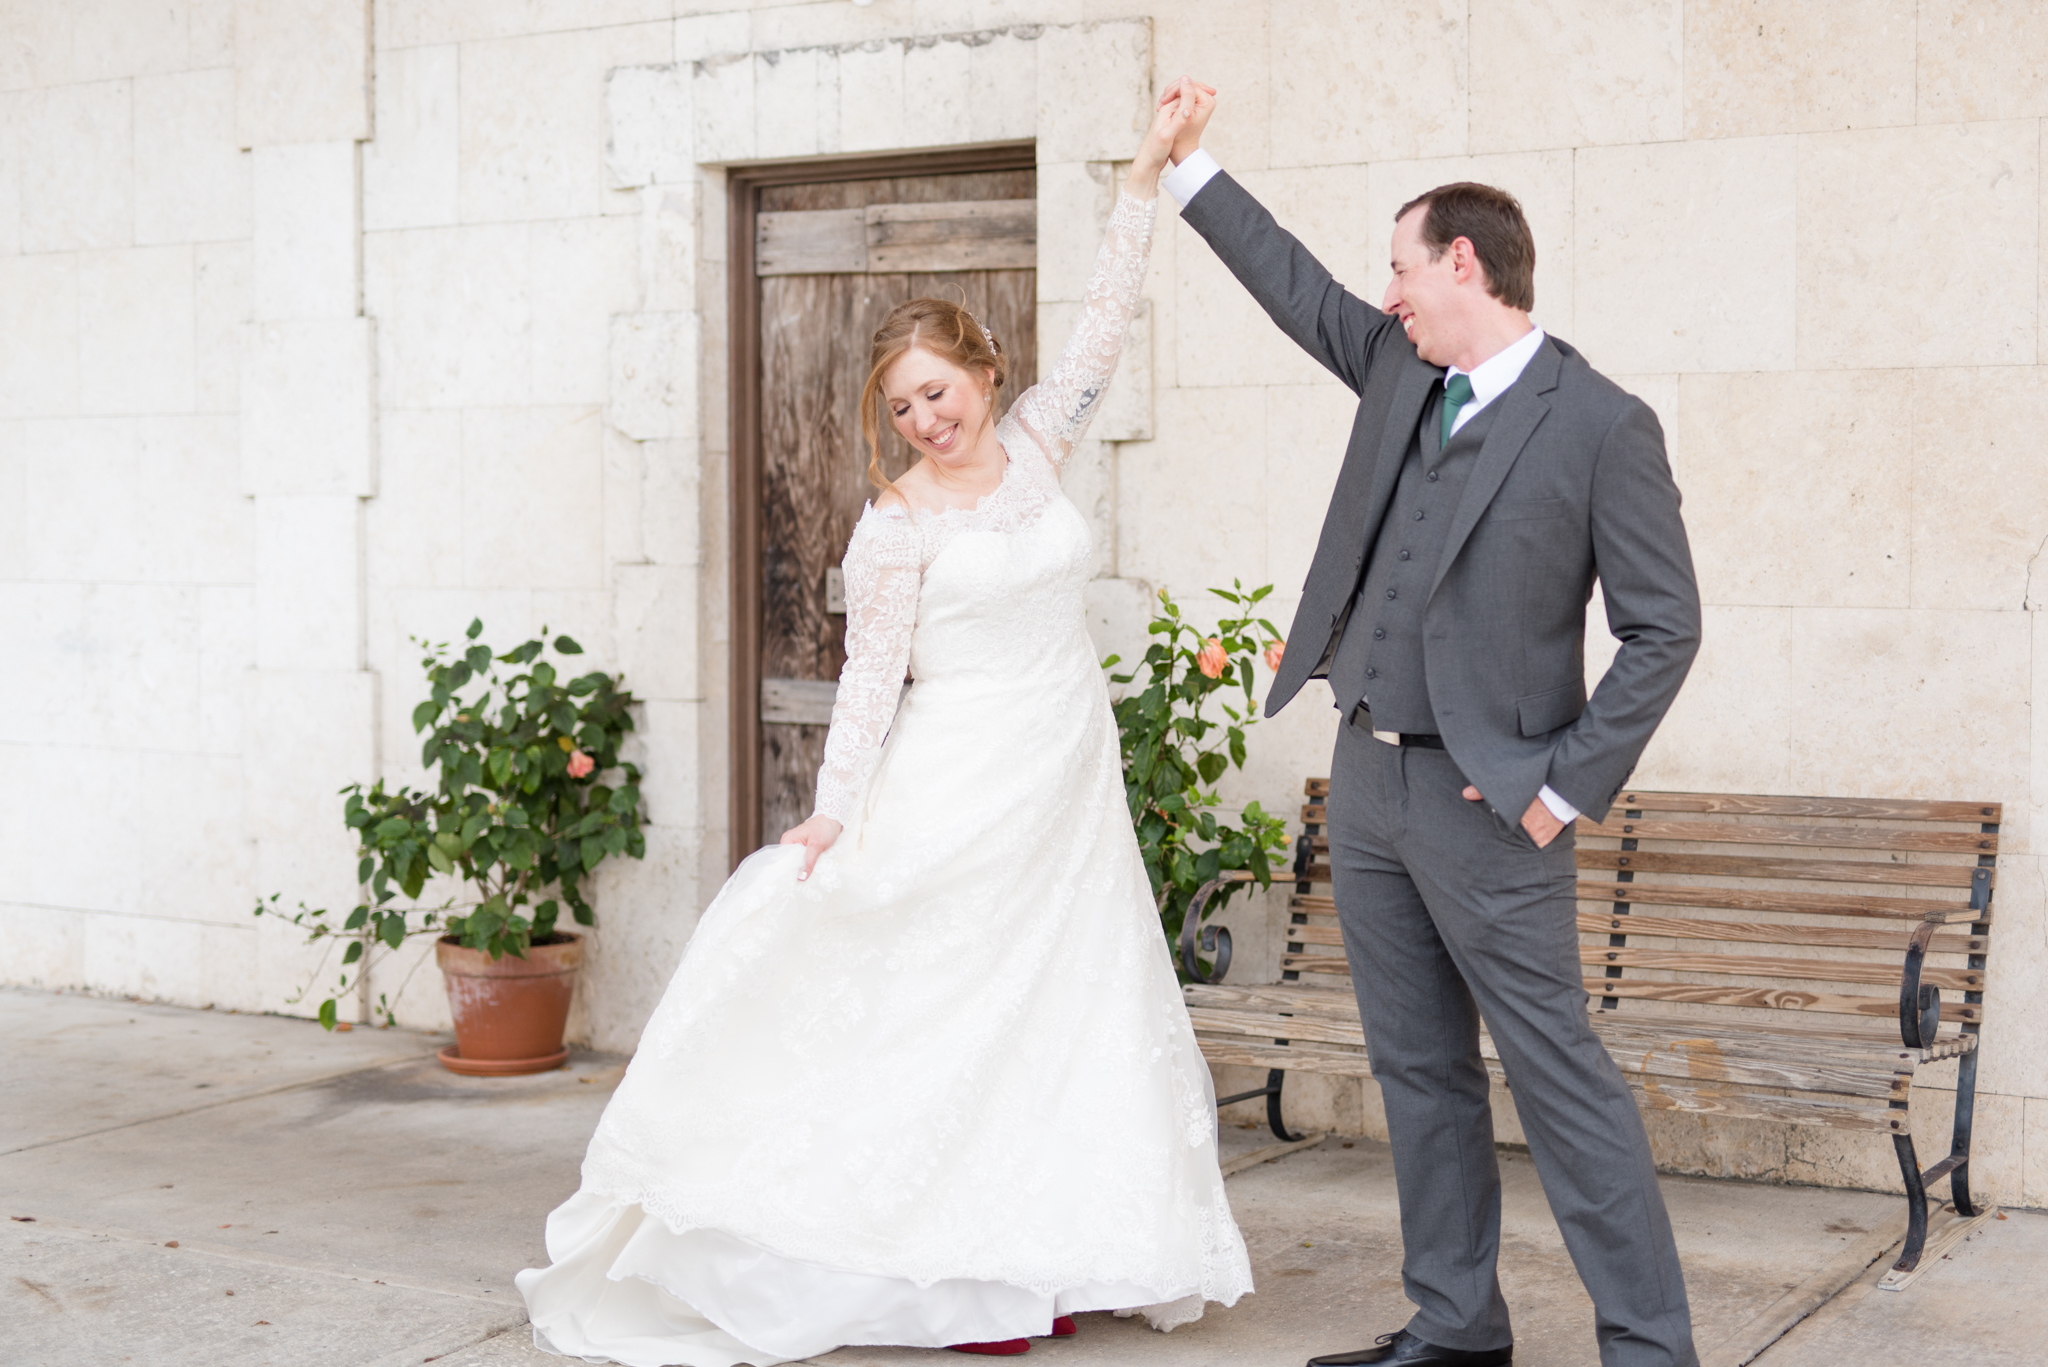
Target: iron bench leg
1916 1204
1966 1105
1275 1079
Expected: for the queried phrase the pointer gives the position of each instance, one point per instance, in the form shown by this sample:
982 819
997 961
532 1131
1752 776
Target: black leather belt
1420 740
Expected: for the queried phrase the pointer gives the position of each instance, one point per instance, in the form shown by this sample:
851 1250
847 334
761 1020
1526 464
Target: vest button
1379 633
1390 593
1404 555
1372 673
1432 476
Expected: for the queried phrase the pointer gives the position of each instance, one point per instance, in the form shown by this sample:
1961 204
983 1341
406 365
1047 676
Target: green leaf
565 646
475 629
352 953
438 857
425 713
328 1014
1210 765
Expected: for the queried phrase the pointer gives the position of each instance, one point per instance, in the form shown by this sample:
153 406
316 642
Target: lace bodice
893 548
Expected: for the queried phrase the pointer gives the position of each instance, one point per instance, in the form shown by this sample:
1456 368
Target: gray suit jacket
1570 484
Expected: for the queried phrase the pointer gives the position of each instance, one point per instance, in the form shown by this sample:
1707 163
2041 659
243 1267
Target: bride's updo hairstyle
941 327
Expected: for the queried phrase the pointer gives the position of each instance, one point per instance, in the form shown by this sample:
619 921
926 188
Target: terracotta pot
509 1012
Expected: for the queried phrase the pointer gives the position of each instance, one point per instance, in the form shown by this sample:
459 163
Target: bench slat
1314 963
1757 866
1306 1058
1269 1026
1761 966
1783 999
1806 837
1750 932
1754 804
1739 932
1328 1003
1803 903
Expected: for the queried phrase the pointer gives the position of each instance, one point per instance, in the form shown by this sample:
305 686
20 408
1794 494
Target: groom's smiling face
1425 293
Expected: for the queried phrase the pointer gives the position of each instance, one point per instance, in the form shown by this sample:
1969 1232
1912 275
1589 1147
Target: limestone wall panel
308 598
454 313
1003 73
192 524
1191 503
1074 201
871 98
2015 1043
1683 256
1542 181
227 653
412 168
221 273
1756 69
1731 728
14 512
710 35
1307 428
307 232
75 532
302 71
1230 46
532 498
528 158
1982 59
655 613
309 734
307 425
584 272
1931 704
722 95
114 38
1094 90
409 538
1575 74
13 115
191 180
1387 82
1799 487
796 103
1889 263
62 130
39 345
650 125
2034 1158
1979 487
135 331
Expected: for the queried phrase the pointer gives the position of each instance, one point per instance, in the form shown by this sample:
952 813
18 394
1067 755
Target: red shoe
1003 1349
1064 1327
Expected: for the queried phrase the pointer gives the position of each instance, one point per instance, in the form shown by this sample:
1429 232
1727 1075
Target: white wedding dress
946 1088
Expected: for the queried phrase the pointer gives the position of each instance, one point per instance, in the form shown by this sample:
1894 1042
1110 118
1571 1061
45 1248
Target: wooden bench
1738 954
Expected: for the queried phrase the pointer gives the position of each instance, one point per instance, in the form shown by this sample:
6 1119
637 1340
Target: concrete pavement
202 1187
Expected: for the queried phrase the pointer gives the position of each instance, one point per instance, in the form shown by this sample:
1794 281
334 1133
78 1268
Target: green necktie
1457 393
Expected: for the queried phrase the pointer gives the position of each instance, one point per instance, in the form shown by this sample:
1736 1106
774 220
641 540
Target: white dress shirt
1490 378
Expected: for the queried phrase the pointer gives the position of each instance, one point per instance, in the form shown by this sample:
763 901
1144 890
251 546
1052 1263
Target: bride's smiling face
939 408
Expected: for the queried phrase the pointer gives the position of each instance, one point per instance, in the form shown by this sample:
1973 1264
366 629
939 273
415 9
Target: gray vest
1379 660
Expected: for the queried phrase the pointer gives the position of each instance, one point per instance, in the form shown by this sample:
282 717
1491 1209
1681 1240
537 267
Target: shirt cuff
1186 180
1559 808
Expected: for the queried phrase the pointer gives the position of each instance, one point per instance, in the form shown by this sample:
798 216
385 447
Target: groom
1491 477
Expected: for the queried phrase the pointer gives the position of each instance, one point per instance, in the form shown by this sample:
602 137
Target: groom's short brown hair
1491 220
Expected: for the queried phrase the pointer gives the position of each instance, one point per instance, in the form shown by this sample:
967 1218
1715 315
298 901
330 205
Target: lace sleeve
1057 410
884 569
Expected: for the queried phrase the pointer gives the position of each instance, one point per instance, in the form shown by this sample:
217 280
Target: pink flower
1275 653
580 764
1211 659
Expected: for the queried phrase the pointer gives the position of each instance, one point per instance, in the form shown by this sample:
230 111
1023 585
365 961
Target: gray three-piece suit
1448 593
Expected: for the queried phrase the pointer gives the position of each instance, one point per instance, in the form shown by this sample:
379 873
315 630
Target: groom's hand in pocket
816 836
1539 821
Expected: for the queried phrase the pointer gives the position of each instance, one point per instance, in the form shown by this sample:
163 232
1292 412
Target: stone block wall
327 324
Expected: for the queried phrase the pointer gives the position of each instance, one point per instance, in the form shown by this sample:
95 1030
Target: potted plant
1173 753
531 798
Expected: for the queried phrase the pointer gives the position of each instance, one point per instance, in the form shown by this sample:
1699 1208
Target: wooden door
831 256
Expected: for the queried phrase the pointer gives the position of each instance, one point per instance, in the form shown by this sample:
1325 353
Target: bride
924 1076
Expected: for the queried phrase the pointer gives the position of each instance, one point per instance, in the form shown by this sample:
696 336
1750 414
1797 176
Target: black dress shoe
1403 1347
